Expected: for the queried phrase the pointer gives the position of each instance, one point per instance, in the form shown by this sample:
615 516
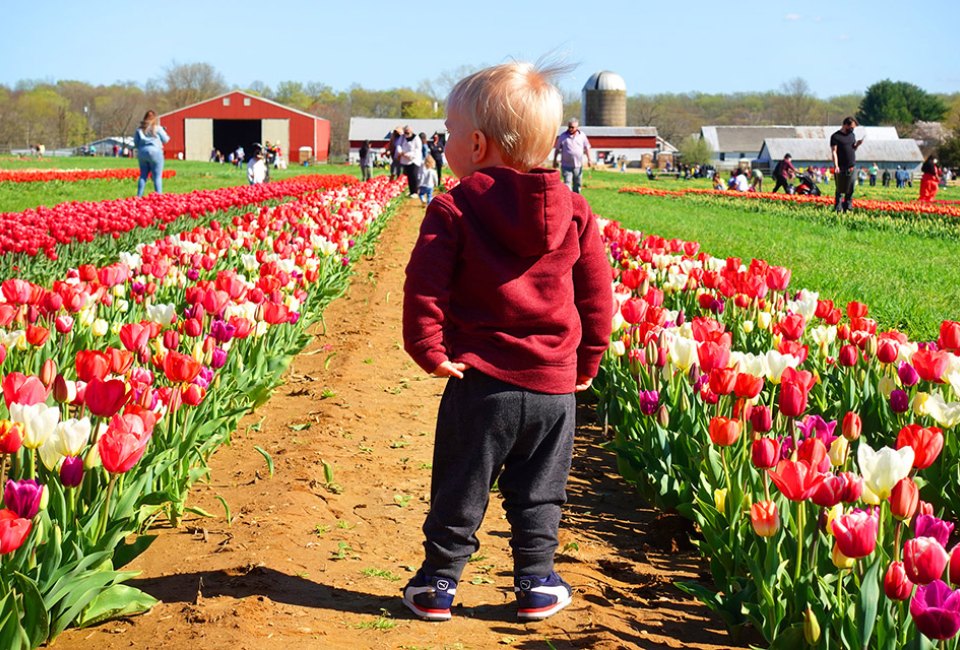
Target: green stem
800 513
102 527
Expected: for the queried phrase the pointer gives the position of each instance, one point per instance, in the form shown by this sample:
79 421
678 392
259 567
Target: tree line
72 113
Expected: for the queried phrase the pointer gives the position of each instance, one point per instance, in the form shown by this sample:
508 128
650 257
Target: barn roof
244 94
749 139
872 150
617 131
379 128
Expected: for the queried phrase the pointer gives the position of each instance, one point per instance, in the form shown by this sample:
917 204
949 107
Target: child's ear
478 146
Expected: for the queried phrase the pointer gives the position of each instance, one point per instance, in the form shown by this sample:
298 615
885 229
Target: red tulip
180 368
791 326
778 278
13 531
23 389
849 355
634 310
887 350
123 443
856 533
92 364
193 395
724 431
795 479
722 380
747 385
814 452
36 335
856 310
11 436
896 584
761 419
134 336
904 499
949 336
793 399
765 453
765 518
852 426
955 565
105 398
926 442
924 559
930 364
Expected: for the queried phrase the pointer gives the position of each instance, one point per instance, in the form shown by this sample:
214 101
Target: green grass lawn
909 276
191 175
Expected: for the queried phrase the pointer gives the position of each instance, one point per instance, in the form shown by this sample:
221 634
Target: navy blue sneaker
430 597
538 598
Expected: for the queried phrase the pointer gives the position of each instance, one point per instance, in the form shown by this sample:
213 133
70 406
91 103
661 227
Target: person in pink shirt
572 149
507 296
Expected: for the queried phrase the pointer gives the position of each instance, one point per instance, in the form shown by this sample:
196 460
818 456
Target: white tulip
71 436
38 420
884 468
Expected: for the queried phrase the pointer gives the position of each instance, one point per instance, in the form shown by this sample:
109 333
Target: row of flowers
941 208
120 380
71 175
41 230
813 450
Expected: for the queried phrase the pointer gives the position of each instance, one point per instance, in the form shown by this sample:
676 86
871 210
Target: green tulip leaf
116 602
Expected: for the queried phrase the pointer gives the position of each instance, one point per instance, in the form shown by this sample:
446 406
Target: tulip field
811 443
812 447
121 376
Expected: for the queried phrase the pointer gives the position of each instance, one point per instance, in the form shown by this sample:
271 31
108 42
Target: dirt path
310 562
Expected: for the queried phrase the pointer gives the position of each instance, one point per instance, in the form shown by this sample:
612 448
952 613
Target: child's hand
450 369
583 383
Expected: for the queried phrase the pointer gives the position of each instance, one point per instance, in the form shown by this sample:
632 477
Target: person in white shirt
257 168
410 153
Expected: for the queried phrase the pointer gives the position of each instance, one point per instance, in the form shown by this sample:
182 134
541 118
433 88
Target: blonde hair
516 106
429 162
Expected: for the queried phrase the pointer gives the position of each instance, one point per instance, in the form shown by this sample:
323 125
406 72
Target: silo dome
605 100
605 80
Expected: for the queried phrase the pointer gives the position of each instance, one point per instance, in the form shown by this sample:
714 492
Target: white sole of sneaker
427 614
540 614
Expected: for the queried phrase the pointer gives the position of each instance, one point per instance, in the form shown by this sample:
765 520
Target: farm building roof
813 150
749 139
617 131
379 128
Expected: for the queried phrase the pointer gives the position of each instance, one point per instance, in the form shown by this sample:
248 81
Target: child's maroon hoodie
510 277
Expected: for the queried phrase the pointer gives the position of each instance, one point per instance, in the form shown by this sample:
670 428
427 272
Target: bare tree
189 83
796 101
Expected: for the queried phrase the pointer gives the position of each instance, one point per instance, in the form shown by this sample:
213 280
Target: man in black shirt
843 145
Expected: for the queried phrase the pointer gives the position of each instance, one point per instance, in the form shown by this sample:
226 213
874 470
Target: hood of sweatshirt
529 213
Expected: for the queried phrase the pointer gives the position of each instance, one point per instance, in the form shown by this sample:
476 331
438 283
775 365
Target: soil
316 554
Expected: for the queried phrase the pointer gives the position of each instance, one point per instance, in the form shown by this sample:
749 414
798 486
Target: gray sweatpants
485 428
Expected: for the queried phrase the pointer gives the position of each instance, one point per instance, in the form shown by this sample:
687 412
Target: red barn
241 119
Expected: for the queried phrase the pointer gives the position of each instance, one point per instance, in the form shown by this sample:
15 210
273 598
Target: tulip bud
811 627
720 499
724 431
852 426
192 327
684 404
899 401
848 356
3 353
838 451
955 565
761 418
908 374
765 518
870 346
887 385
48 372
904 499
100 327
896 584
171 340
765 453
924 559
71 471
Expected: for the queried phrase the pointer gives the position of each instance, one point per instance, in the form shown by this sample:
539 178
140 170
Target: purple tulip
193 275
222 331
71 471
23 497
649 401
908 374
218 358
680 318
931 526
899 401
935 609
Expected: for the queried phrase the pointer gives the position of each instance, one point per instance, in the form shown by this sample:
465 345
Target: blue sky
658 46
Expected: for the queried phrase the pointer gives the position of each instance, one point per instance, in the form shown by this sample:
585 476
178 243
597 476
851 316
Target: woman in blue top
149 140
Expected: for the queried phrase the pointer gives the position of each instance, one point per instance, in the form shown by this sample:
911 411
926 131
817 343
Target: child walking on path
428 180
507 295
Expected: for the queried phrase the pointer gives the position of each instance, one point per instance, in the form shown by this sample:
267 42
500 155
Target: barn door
198 138
277 132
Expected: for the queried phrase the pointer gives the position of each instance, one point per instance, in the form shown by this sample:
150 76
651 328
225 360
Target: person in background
650 175
756 180
900 177
149 140
257 166
718 183
395 168
428 180
930 180
874 170
571 148
885 177
843 147
366 160
410 154
783 173
508 297
436 152
862 176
